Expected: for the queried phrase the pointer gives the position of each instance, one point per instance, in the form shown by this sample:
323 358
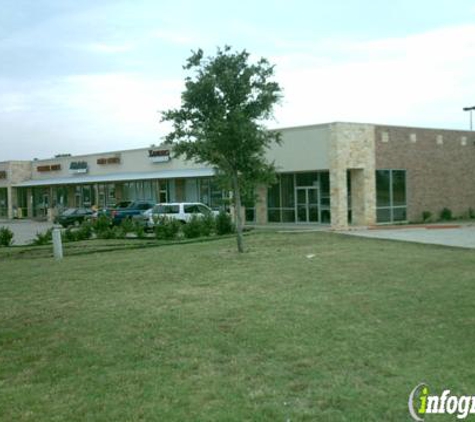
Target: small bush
43 238
84 232
103 222
127 225
446 214
224 224
426 216
193 228
69 235
167 228
208 224
6 236
107 233
119 232
139 230
471 213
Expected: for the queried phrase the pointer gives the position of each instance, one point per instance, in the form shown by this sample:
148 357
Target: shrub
107 233
208 224
139 230
224 225
70 235
84 232
446 214
119 232
426 216
167 228
43 238
103 222
127 225
471 213
193 228
6 236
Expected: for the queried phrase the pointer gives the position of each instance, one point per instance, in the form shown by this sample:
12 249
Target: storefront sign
108 160
159 155
49 167
78 167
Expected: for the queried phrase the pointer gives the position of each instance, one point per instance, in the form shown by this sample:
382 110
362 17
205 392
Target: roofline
97 153
277 129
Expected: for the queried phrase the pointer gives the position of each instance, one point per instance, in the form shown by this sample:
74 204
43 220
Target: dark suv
135 208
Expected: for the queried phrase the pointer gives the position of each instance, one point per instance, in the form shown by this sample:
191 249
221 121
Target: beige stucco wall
288 157
303 148
131 161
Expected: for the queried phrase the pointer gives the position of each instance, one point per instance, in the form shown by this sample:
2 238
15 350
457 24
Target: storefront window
391 202
308 194
3 202
211 194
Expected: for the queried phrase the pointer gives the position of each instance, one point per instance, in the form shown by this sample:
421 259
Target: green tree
220 121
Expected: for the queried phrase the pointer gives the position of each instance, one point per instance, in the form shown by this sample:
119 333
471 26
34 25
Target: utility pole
470 109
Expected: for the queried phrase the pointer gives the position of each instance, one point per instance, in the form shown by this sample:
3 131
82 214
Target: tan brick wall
440 167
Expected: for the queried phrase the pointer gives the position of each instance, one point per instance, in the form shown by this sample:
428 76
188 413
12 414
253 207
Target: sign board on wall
78 167
48 167
159 155
108 160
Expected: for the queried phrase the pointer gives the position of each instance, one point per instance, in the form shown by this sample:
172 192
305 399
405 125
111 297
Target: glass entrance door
307 205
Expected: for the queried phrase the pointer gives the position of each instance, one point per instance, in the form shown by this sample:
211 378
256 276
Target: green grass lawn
197 332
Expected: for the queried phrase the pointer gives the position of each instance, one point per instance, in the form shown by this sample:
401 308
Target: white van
181 211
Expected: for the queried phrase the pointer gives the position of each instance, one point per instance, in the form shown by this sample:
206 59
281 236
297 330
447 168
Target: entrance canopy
118 177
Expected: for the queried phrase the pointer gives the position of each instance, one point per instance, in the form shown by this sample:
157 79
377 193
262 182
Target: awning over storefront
118 177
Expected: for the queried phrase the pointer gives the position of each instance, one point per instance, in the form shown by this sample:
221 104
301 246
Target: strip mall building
336 173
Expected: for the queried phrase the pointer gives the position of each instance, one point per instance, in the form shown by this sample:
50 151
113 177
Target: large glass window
3 202
391 202
211 194
299 197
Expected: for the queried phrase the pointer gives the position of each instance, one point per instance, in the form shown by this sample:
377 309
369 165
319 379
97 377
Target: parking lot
25 230
463 236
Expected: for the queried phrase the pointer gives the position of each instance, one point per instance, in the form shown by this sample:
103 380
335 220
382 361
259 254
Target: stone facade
352 149
16 172
439 164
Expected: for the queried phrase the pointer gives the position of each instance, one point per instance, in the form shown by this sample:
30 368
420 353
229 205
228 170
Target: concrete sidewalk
462 236
24 231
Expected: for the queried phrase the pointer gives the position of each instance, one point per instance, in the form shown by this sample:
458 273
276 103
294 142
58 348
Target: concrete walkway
24 231
462 236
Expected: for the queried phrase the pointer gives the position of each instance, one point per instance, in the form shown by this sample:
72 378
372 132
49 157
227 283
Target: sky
93 75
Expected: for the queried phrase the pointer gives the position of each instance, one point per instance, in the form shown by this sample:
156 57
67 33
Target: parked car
108 211
133 209
143 218
74 216
181 211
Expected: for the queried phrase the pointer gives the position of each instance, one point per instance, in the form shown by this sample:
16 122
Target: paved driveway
25 230
463 236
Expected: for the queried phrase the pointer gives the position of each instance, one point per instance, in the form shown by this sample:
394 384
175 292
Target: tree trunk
237 213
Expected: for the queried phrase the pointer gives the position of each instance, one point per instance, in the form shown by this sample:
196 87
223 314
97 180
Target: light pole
470 109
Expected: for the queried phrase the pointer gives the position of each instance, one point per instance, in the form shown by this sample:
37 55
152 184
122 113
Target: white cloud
177 37
424 78
109 48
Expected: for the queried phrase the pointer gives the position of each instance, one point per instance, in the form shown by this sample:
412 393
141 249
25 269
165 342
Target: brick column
339 199
10 202
363 197
261 204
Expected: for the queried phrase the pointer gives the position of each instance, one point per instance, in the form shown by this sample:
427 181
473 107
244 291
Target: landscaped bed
302 327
